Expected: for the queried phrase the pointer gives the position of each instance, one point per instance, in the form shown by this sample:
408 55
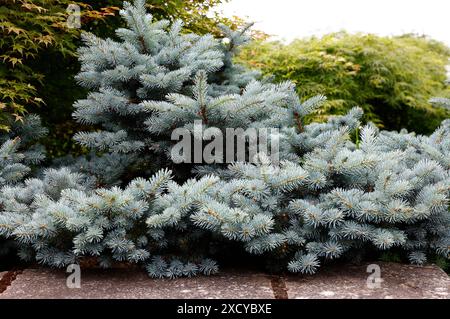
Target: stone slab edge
398 281
6 279
44 283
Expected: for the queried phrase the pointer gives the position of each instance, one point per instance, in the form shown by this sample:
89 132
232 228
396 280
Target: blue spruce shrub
329 197
156 78
19 155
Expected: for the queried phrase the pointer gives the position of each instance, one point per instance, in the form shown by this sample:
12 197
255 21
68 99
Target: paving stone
399 281
101 284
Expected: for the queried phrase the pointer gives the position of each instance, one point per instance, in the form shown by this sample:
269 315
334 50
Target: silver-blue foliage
332 195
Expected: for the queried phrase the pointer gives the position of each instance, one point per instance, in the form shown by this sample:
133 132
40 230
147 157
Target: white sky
288 19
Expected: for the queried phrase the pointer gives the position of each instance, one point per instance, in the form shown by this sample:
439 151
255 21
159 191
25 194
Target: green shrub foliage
340 189
391 78
31 30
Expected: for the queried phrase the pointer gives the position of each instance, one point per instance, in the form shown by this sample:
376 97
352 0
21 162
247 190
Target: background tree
29 29
392 79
